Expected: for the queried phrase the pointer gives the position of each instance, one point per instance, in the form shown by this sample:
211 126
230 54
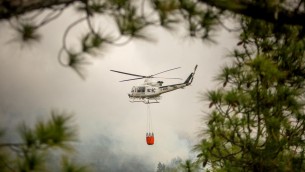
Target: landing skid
145 100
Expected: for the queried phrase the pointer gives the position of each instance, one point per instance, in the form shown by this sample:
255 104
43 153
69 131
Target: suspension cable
148 122
149 119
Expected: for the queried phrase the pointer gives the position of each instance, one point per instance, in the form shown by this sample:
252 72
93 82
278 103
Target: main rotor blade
128 73
168 78
131 79
165 71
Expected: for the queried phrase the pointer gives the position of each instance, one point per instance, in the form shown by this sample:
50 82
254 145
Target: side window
141 89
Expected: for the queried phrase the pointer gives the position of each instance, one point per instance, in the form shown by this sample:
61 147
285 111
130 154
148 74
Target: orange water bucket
150 139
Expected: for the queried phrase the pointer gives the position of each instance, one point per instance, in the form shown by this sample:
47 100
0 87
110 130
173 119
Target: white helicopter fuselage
150 91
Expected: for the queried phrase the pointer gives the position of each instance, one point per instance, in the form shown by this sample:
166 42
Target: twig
49 17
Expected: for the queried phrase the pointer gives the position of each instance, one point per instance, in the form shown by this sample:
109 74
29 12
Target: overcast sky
111 129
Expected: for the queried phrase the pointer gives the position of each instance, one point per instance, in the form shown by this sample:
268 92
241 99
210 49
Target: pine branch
250 9
11 8
11 144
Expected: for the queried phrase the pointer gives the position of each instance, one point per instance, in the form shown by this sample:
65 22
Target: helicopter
150 91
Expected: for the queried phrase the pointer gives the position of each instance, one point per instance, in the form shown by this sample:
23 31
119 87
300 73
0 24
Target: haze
111 129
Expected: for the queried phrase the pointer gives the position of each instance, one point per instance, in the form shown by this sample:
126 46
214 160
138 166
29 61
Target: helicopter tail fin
190 78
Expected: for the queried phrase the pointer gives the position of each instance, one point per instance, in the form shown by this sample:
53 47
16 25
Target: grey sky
111 128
